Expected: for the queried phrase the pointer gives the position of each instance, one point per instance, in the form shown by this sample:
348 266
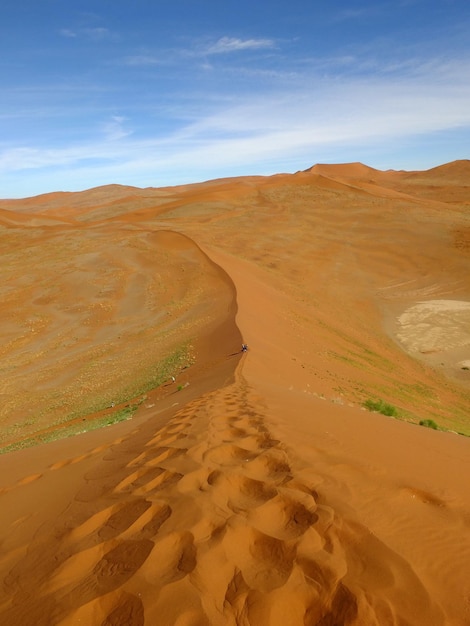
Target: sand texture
234 488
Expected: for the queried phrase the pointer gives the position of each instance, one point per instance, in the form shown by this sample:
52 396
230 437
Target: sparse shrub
429 424
381 407
180 387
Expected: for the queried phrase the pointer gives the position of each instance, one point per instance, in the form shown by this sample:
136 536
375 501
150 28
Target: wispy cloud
198 50
114 130
226 45
370 10
143 59
96 33
314 117
67 32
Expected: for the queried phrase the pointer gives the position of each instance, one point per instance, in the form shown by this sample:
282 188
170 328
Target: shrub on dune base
381 407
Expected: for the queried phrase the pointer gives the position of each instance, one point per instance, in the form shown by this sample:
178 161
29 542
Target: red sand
261 492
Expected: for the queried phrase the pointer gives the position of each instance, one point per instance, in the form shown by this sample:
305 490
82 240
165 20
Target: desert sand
242 488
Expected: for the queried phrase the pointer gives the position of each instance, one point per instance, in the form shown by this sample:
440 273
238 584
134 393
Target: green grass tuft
380 406
429 424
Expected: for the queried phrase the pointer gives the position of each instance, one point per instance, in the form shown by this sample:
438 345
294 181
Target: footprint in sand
150 481
23 481
285 517
29 479
173 558
60 464
228 454
165 439
120 563
122 518
340 607
239 493
150 529
259 441
111 571
423 496
114 569
270 465
141 518
265 562
141 459
127 610
138 478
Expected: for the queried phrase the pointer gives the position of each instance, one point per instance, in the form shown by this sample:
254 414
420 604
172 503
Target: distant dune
154 474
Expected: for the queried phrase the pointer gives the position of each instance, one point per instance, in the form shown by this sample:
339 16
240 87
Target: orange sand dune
446 183
254 489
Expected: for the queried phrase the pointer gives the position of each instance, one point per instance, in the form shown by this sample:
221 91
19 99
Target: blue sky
166 92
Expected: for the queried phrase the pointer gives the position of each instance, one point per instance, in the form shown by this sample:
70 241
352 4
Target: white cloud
315 116
371 10
67 32
232 44
98 33
114 130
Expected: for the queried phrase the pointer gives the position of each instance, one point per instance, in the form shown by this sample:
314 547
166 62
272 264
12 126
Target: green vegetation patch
73 429
379 406
429 424
79 419
140 383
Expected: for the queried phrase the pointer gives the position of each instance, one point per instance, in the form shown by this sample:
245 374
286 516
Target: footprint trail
204 522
